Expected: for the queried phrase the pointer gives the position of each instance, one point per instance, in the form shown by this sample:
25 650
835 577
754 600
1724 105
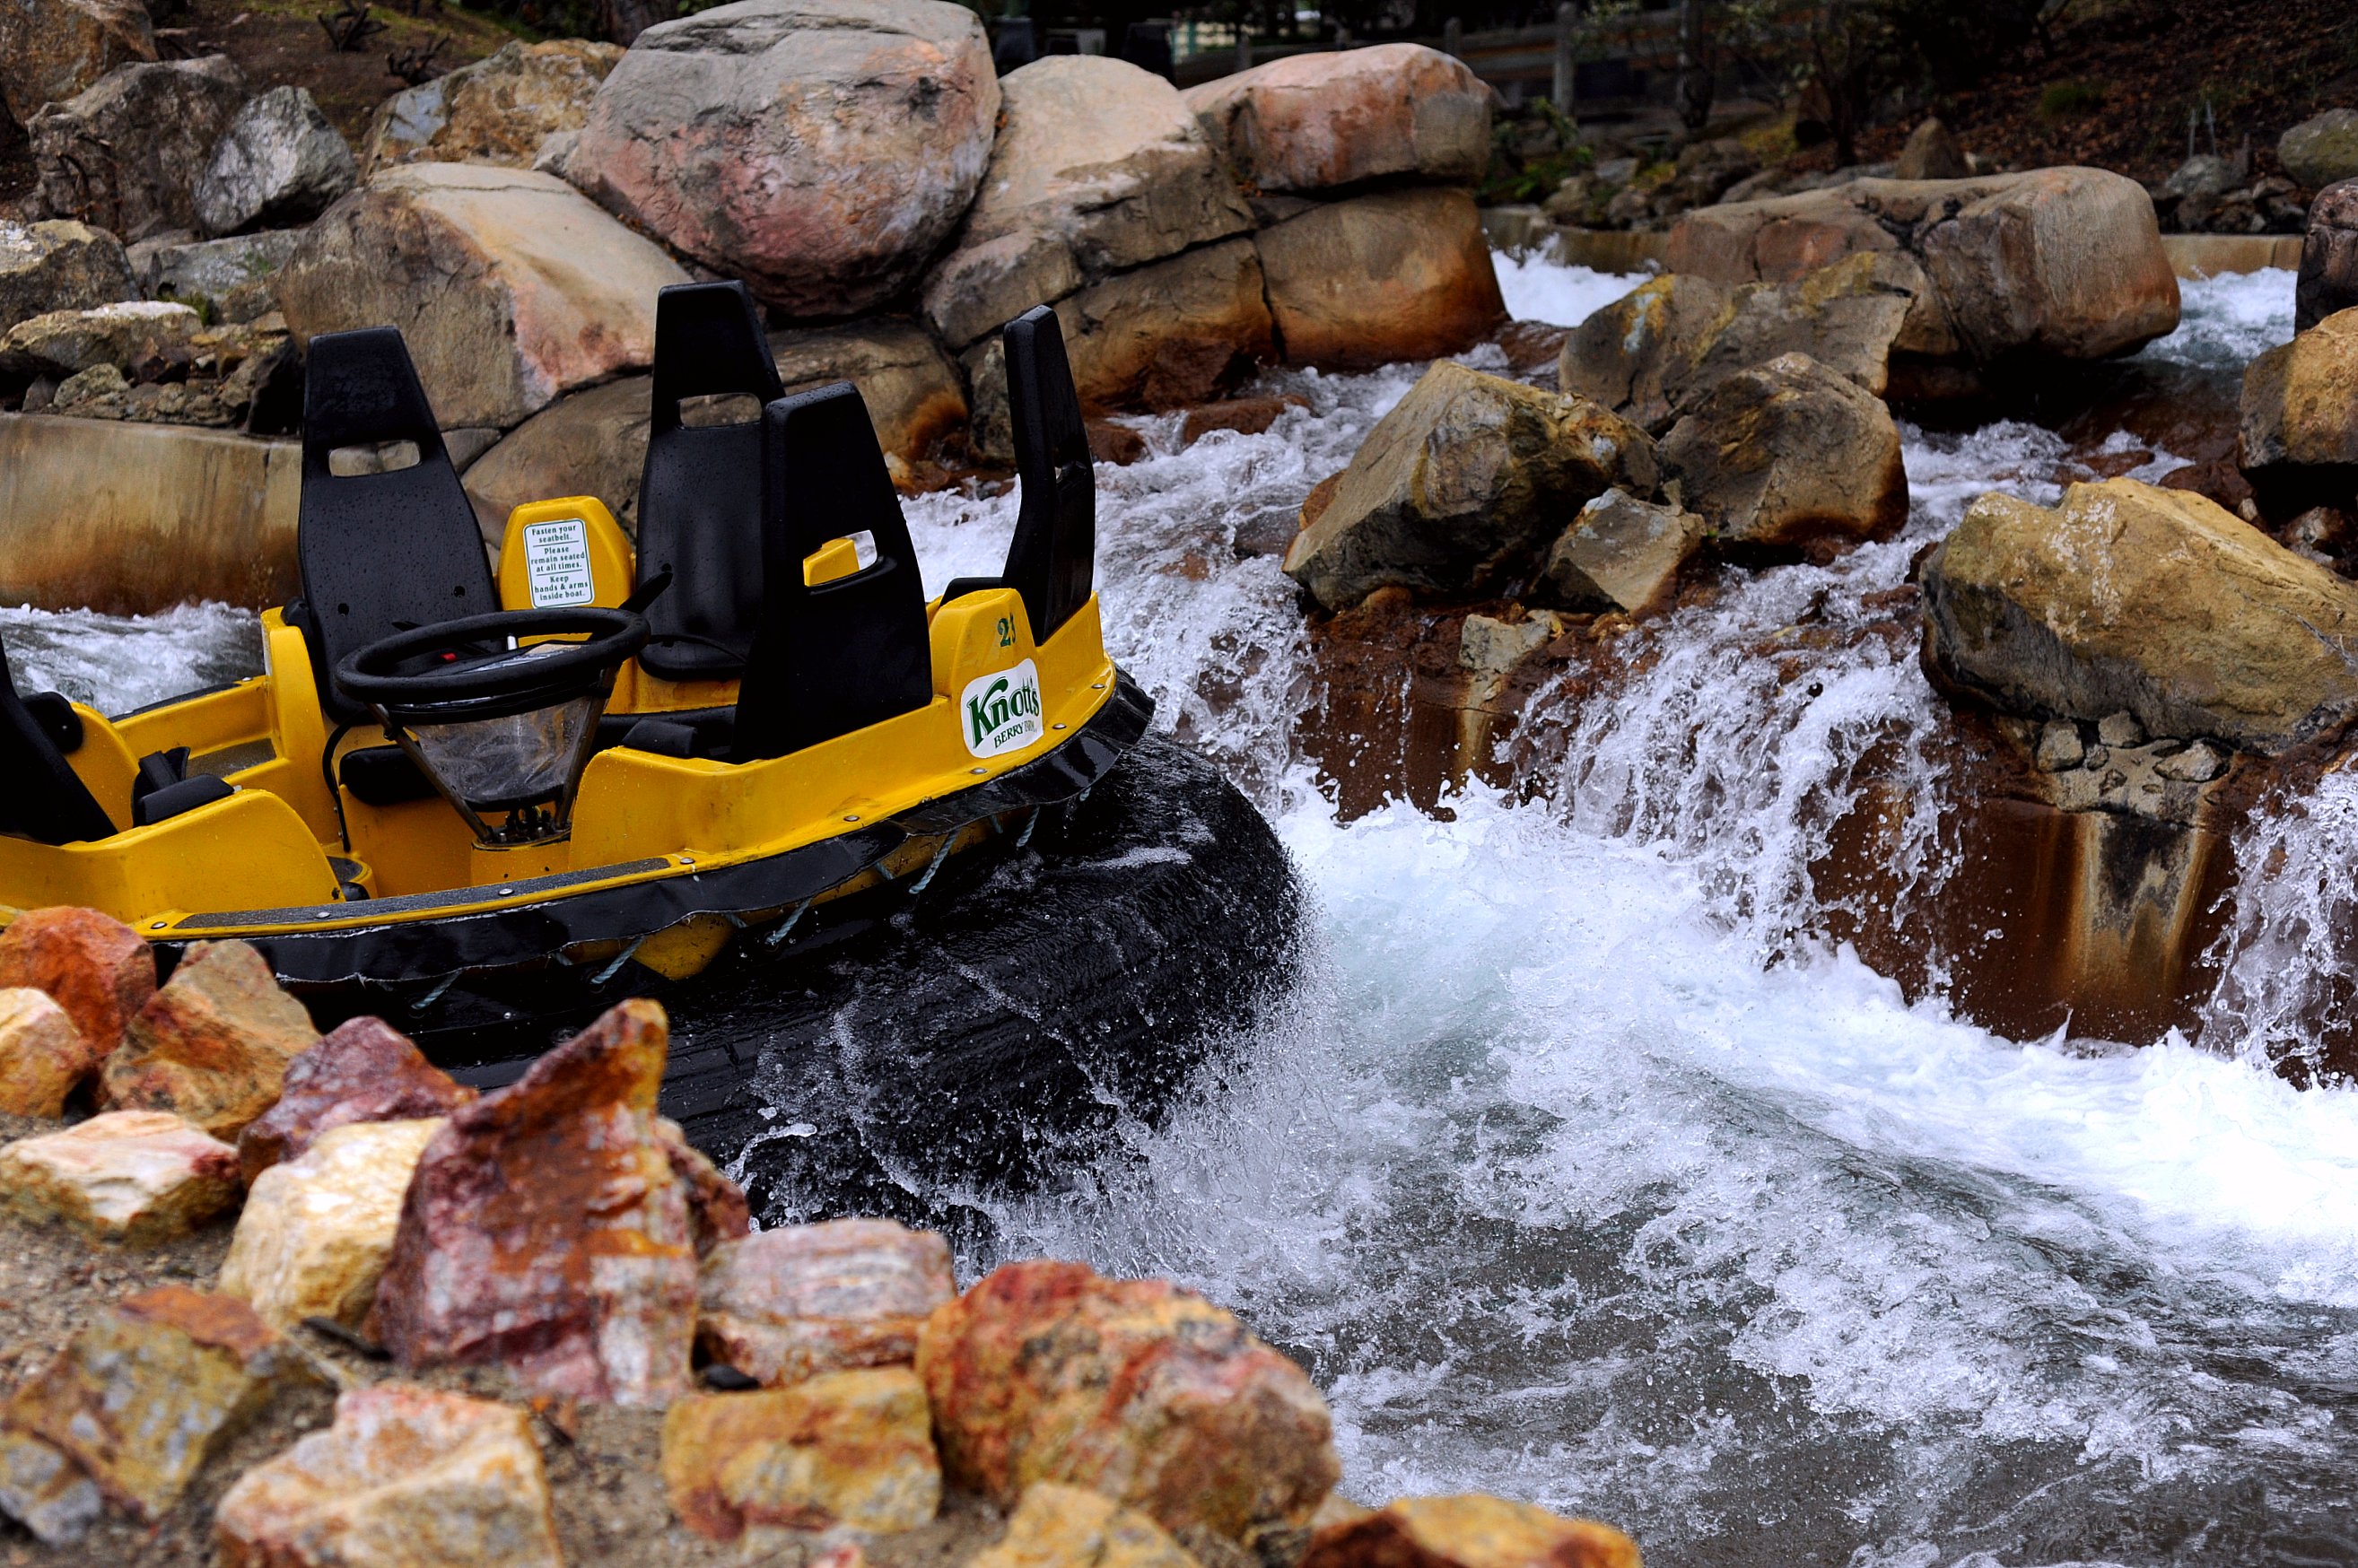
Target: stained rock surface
60 266
1469 475
1312 122
95 967
131 1177
1099 167
213 1044
552 1227
822 150
1055 1526
406 1477
2299 417
1469 1532
1790 453
316 1230
2058 263
1398 275
510 288
361 1070
1622 552
844 1448
2327 281
2157 603
1136 1390
51 50
140 1399
138 334
500 110
43 1057
786 1305
124 154
279 161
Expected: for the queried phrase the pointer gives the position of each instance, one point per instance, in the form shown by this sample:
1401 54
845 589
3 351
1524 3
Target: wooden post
1567 24
1244 47
1452 37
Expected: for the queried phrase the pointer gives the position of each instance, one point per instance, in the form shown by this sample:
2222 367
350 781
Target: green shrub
2070 100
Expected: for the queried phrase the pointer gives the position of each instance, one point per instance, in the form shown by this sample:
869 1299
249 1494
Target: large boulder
1469 1531
914 396
1666 341
145 336
232 280
791 1303
60 266
1134 1389
2322 149
1621 553
1312 122
1462 485
2056 263
279 162
822 150
2300 417
364 1070
1401 274
131 1178
510 288
2328 257
51 50
1099 168
1166 336
500 109
1788 454
2157 602
406 1477
124 154
213 1044
98 969
555 1228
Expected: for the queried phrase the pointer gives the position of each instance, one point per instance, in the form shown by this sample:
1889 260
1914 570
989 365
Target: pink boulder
1312 122
362 1070
822 150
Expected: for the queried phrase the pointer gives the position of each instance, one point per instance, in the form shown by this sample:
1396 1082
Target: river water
1580 1172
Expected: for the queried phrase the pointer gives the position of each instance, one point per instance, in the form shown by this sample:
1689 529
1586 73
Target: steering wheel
458 670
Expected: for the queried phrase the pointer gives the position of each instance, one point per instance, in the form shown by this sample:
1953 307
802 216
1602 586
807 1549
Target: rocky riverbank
274 1298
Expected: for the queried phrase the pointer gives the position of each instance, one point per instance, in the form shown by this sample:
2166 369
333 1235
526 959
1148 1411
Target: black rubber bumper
429 948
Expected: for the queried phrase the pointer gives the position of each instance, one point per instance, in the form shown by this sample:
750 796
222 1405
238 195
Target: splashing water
1537 289
1584 1172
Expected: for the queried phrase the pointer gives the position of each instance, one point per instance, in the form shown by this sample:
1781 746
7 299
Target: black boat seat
44 799
382 776
383 551
1052 560
700 491
853 651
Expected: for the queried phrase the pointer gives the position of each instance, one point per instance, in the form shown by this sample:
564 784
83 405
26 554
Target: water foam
1537 289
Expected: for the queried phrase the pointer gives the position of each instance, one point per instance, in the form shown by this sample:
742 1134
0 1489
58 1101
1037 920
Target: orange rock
407 1477
847 1448
550 1227
1469 1532
1069 1527
1133 1388
213 1044
791 1303
361 1070
141 1398
42 1055
132 1177
1401 274
94 965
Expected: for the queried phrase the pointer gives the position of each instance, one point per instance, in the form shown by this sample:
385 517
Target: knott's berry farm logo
1001 713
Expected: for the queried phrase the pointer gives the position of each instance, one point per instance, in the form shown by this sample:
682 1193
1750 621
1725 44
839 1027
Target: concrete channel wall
130 519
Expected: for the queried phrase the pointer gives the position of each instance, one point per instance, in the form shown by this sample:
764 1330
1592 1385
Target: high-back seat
378 551
1052 561
44 799
836 656
700 492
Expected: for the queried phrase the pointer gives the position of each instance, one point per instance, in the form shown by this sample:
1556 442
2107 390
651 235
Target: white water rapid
1580 1172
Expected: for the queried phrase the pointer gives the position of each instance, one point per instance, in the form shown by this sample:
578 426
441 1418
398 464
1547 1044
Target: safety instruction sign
556 563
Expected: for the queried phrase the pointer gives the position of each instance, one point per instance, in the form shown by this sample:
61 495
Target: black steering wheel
459 670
